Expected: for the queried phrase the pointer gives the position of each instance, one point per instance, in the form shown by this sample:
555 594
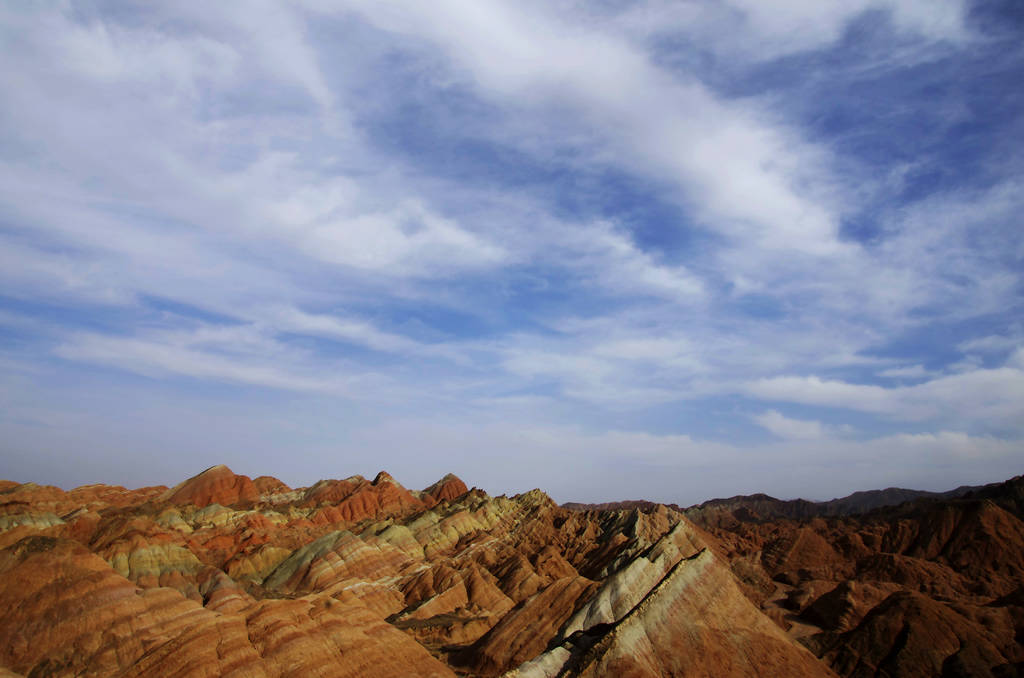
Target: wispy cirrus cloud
790 429
754 179
673 228
201 355
909 372
975 396
757 32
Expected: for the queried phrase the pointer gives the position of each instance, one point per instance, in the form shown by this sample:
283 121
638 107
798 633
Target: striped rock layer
222 575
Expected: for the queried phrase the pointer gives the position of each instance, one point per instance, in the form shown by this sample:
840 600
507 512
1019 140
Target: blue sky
649 249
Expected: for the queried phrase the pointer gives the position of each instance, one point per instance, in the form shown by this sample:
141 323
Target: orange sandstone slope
227 576
215 485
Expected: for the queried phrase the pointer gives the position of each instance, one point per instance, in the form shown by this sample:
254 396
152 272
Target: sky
614 249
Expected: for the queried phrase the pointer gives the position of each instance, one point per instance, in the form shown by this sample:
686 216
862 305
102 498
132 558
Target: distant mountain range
768 507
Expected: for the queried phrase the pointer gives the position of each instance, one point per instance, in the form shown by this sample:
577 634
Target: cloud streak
994 396
651 230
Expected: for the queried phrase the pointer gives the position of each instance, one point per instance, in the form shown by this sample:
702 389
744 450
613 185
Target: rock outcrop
215 485
924 588
226 576
446 489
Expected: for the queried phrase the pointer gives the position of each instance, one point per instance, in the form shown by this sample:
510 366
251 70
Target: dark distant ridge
766 507
864 501
639 504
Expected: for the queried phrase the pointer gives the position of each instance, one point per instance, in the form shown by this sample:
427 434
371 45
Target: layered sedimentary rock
226 576
926 588
446 489
69 613
694 621
215 485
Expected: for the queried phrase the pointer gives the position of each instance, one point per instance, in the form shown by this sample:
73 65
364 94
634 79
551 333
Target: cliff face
225 576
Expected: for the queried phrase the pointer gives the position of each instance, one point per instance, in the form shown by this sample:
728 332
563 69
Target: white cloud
280 206
29 271
993 343
967 364
675 351
236 355
199 162
409 240
992 396
757 31
609 258
815 391
750 178
790 429
1016 359
288 319
907 372
271 37
221 182
113 56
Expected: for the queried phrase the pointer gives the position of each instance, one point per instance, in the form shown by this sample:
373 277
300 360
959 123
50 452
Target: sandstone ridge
223 575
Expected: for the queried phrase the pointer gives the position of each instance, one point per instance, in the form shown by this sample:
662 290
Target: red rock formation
525 633
911 635
226 576
355 499
695 622
270 485
446 489
215 485
100 623
917 589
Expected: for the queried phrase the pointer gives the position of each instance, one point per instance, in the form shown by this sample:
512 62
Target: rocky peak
447 488
216 485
